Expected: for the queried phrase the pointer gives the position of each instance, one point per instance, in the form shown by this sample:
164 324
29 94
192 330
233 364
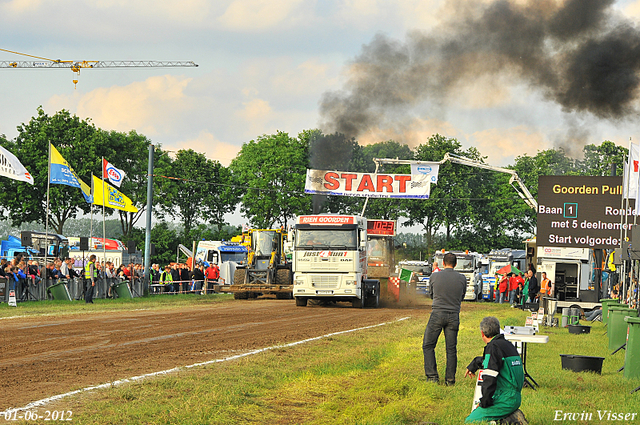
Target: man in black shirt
534 286
447 289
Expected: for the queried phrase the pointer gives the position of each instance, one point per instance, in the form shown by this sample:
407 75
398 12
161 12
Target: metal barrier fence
178 287
35 289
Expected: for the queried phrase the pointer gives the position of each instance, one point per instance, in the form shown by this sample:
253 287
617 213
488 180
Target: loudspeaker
84 244
635 238
153 249
530 251
131 247
619 255
25 238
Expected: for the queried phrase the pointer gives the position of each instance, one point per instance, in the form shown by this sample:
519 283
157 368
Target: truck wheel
240 295
359 303
374 301
239 276
301 301
283 277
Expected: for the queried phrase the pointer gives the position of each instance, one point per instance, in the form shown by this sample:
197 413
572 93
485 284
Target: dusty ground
42 357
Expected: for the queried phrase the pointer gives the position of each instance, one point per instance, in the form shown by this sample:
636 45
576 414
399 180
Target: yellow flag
113 198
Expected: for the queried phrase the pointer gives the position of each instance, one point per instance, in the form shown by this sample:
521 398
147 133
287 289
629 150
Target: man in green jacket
502 377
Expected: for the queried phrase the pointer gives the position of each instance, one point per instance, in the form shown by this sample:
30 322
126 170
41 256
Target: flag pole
91 206
46 226
104 232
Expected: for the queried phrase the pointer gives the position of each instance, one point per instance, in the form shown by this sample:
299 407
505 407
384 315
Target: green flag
406 275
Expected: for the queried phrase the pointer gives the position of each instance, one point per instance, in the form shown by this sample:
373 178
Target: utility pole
147 239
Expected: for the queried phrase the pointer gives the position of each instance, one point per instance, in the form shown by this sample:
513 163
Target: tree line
469 208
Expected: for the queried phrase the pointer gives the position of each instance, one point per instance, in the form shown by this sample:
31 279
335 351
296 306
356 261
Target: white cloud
502 145
151 107
256 116
213 148
260 15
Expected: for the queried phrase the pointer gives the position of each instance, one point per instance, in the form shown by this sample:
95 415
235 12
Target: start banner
344 183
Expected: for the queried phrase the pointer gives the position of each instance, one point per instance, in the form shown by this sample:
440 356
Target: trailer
573 270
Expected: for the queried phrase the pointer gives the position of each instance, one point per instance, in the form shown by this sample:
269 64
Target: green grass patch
39 308
374 376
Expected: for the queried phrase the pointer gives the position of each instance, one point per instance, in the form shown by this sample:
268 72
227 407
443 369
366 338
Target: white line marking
7 413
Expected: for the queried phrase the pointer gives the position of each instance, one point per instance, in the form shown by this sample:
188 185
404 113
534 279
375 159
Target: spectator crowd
25 276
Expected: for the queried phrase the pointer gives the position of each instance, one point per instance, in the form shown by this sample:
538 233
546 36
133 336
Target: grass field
373 376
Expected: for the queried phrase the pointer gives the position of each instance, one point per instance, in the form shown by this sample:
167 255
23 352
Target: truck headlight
298 282
350 282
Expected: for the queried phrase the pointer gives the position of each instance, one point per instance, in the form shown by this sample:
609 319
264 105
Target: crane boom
95 64
522 190
76 66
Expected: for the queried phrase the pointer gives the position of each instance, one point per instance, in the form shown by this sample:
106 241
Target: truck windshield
379 250
326 239
497 265
238 257
464 263
263 243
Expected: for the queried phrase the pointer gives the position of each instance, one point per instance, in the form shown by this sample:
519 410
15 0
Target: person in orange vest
547 288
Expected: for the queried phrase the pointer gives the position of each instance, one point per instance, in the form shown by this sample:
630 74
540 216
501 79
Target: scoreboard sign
381 227
581 212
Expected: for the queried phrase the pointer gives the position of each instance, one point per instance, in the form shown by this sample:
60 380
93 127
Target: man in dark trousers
534 286
447 289
90 276
502 377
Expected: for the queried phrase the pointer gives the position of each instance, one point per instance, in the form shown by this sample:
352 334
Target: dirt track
42 357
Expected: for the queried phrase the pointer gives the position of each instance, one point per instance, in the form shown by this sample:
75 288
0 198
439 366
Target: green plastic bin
59 292
632 353
123 291
617 330
606 302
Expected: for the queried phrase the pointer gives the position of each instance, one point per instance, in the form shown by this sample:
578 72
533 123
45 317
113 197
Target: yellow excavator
267 271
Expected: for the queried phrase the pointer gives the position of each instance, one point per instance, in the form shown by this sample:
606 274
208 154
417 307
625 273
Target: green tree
201 191
448 206
271 172
388 209
598 159
78 141
130 153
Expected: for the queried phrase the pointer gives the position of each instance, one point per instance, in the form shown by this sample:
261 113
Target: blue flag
62 173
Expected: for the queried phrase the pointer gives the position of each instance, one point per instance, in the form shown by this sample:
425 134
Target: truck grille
325 282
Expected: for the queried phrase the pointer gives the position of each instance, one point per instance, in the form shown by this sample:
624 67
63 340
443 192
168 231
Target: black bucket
582 363
579 329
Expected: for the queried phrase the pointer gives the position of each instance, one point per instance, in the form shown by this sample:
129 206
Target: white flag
12 168
631 173
115 175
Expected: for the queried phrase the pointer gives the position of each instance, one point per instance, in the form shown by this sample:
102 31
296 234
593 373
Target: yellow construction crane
76 66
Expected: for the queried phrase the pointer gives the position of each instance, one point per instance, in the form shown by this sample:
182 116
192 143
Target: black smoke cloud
580 54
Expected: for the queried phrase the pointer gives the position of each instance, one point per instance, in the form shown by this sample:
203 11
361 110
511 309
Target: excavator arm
520 189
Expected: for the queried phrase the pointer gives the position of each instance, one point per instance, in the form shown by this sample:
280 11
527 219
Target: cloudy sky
270 65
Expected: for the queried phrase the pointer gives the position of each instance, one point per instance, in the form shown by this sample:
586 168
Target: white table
524 340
